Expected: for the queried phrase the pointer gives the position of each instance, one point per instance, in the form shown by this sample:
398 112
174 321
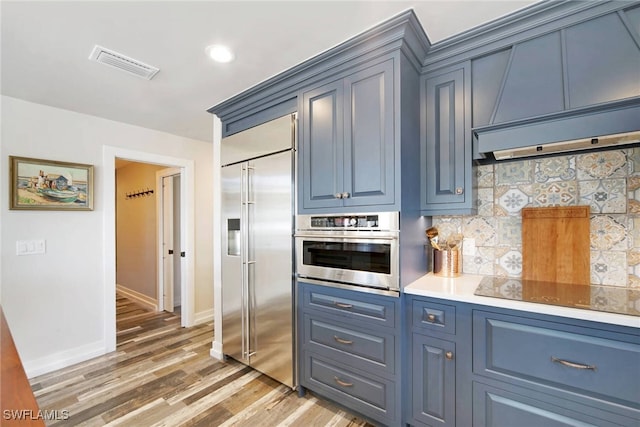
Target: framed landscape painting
38 184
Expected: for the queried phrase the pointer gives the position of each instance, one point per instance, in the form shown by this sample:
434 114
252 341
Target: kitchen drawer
365 393
364 349
434 317
361 306
557 355
495 407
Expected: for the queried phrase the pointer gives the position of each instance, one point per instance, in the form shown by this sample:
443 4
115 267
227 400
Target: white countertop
462 288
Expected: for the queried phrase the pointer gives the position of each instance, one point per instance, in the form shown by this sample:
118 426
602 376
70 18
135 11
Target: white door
168 252
177 241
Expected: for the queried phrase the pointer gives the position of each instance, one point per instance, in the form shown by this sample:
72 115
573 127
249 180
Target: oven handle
343 237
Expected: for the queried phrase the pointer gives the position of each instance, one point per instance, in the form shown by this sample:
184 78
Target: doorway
187 237
138 225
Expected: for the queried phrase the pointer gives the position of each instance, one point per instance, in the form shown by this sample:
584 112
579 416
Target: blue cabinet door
433 379
369 150
446 143
322 146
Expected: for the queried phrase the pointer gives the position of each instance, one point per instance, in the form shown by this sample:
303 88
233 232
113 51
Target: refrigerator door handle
252 343
244 310
251 335
249 187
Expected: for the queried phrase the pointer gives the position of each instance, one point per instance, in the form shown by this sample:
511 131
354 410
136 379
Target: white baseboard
203 317
138 297
62 359
216 350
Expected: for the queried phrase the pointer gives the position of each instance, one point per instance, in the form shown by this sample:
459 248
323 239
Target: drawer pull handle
342 383
431 318
342 305
572 364
341 340
449 355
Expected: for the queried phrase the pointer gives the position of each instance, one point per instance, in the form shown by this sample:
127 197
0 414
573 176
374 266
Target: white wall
55 303
136 230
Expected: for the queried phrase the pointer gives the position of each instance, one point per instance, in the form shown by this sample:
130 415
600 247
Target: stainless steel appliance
355 250
257 244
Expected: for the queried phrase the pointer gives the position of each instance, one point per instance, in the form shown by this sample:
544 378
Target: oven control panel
381 222
362 221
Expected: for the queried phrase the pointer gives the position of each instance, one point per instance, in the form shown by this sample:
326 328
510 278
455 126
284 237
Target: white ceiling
45 48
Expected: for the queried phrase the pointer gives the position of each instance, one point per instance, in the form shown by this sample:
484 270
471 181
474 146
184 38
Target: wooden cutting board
555 244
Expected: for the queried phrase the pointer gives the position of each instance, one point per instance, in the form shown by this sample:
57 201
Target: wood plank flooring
162 375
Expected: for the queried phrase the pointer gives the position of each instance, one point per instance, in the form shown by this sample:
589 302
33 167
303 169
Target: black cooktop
612 299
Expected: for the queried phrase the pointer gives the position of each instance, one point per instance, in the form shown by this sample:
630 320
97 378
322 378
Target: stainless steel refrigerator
257 260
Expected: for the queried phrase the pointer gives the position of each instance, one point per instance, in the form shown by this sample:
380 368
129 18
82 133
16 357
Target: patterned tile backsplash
607 181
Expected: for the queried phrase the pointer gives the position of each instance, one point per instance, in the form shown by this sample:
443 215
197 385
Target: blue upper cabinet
445 154
358 111
347 146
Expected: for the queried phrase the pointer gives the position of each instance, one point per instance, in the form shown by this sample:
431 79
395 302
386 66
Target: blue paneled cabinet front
347 141
349 349
486 366
445 140
433 381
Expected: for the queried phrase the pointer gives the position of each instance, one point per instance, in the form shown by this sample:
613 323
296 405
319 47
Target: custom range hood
585 129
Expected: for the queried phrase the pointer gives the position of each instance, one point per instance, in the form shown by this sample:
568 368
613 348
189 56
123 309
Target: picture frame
38 184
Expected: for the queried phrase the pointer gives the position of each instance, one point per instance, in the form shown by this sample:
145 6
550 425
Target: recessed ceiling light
220 53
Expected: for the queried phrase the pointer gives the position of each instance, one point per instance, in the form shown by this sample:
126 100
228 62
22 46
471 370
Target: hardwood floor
162 375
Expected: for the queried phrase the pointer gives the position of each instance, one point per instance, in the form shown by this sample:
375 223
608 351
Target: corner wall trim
138 297
216 350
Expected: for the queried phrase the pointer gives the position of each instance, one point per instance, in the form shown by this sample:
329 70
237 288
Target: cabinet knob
459 190
449 355
431 318
345 195
338 196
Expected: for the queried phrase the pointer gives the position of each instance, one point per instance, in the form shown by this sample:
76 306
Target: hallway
162 374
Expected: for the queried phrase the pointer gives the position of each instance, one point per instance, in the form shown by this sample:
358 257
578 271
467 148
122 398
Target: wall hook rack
139 193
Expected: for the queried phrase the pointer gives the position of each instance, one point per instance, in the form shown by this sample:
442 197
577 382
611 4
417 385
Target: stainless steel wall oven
358 250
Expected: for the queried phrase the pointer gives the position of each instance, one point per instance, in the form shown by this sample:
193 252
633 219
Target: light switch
30 247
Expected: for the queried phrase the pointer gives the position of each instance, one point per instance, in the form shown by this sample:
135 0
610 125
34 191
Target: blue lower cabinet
560 356
495 407
349 343
360 391
374 351
472 365
433 381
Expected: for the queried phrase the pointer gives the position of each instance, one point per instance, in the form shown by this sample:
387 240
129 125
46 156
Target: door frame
160 175
187 212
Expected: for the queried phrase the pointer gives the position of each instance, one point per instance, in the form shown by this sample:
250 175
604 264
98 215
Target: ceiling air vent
118 60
